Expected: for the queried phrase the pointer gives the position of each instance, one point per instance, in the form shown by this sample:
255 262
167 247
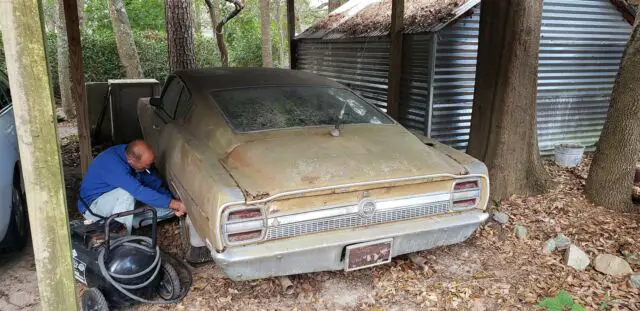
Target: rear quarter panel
471 164
196 176
8 158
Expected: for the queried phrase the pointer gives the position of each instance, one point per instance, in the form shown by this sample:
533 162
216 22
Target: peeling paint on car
220 168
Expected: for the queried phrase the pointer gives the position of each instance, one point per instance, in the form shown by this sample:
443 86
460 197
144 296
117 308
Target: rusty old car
285 172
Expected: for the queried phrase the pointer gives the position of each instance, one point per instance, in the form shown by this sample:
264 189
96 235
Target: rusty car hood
304 160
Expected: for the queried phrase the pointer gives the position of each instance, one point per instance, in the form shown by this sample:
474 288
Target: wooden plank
77 82
291 30
394 108
24 45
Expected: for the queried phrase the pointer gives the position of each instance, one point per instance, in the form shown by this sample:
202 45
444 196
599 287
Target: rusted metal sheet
358 19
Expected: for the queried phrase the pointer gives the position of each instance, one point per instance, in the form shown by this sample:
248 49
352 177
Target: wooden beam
394 107
77 82
291 30
24 45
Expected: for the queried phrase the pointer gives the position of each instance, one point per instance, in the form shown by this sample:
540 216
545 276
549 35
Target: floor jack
121 270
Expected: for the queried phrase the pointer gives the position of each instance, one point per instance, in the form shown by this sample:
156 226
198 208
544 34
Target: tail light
244 236
465 195
245 214
471 184
245 225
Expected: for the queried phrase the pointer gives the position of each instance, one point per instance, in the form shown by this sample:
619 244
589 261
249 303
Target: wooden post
291 30
394 108
24 45
77 82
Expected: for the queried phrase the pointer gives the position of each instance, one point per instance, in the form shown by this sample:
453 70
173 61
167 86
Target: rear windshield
267 108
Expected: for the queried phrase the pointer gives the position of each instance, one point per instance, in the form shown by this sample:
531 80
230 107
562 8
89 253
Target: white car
14 228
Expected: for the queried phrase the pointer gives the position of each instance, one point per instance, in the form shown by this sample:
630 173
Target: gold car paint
201 152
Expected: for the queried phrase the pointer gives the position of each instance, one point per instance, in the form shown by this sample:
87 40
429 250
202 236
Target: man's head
139 155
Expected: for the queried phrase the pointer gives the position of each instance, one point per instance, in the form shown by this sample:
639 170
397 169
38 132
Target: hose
142 242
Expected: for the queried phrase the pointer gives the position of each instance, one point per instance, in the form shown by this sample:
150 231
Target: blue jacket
110 170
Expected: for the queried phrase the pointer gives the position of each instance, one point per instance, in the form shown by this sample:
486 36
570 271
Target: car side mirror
155 102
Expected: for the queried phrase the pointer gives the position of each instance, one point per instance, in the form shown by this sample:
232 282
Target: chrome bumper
325 251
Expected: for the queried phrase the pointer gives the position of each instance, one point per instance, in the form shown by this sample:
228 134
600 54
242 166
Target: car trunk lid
311 160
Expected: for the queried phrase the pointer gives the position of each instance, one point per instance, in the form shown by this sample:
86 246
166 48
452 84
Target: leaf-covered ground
491 271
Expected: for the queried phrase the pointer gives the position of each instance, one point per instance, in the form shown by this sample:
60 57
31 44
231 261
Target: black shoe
197 255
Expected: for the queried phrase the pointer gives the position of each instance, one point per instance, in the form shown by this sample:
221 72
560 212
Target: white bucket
569 155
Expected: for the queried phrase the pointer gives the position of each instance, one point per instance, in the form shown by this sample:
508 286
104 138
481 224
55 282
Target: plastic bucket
569 155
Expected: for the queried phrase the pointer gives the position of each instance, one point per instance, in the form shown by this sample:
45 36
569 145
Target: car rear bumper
325 251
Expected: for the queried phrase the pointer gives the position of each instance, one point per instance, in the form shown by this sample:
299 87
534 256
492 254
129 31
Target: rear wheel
18 231
93 300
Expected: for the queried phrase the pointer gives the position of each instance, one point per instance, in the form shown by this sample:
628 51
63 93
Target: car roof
211 79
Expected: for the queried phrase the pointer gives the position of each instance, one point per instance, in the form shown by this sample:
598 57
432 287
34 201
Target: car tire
18 230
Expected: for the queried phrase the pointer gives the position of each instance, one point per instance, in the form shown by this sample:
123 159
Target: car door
153 119
7 122
8 156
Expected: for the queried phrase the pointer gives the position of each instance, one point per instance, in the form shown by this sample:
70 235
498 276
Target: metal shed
581 47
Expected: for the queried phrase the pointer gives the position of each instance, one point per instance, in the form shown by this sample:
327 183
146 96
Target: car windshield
267 108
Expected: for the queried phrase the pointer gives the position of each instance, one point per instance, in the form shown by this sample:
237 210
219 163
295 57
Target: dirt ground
493 270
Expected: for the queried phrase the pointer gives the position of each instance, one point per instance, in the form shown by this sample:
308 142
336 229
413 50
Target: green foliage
143 15
561 302
101 61
242 37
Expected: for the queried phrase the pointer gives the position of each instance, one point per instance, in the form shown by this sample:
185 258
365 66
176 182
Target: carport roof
372 18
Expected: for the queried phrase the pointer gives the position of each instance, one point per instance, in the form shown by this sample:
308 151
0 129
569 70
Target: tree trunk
265 29
197 18
278 20
214 14
64 71
610 181
298 26
503 122
50 13
124 39
81 13
180 35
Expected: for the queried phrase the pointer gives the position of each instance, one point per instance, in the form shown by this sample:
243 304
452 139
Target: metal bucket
569 155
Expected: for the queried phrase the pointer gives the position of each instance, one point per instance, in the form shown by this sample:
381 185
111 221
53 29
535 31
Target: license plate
368 254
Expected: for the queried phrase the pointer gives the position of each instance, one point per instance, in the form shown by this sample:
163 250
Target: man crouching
118 179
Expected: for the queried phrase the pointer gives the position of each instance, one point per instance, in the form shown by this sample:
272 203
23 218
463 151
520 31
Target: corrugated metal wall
361 64
580 51
454 80
416 82
364 66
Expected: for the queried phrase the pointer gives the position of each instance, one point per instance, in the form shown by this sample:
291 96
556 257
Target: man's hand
178 207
